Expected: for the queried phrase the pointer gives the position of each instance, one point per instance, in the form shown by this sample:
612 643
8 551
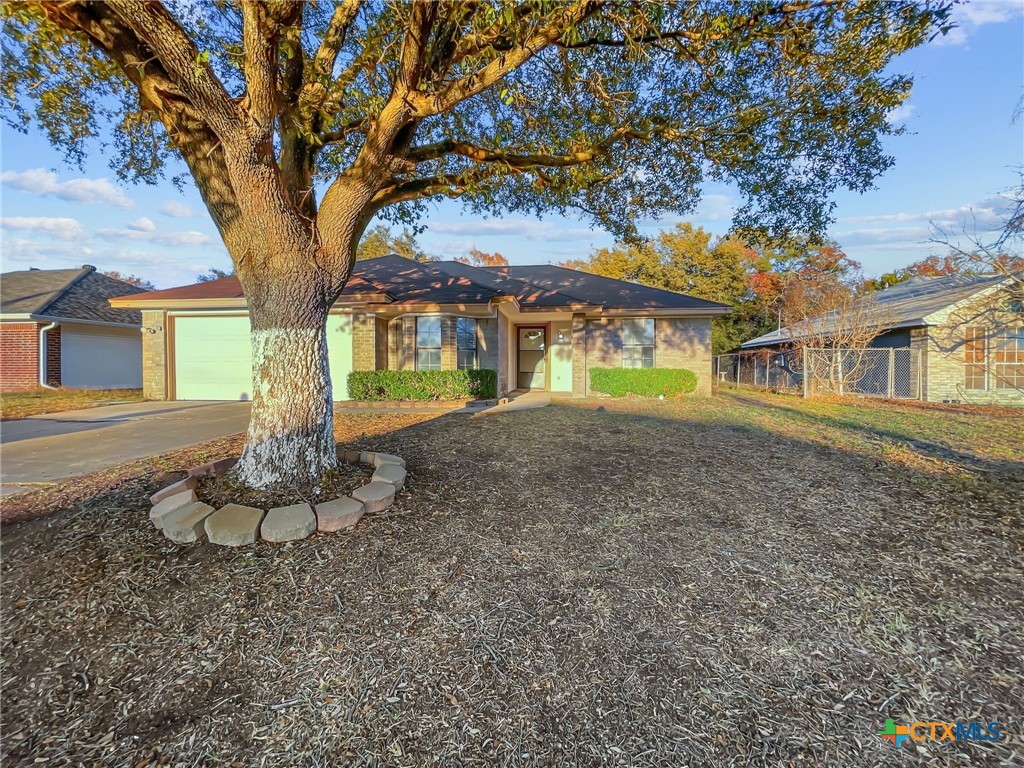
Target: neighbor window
465 342
638 343
428 343
974 359
1008 365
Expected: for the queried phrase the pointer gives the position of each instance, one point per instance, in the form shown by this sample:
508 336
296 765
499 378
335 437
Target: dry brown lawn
747 580
33 402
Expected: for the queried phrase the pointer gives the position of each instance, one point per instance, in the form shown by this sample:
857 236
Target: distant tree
616 109
130 279
380 241
479 258
214 273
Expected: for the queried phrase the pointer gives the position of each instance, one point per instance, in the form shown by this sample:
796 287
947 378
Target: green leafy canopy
618 110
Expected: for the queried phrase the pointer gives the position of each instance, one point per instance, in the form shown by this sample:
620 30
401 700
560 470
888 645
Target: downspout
42 353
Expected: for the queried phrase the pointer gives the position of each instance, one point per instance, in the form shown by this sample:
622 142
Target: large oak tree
618 110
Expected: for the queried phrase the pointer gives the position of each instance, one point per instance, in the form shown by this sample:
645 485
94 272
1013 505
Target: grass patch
19 405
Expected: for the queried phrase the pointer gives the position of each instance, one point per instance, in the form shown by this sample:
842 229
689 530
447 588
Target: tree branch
479 81
154 27
334 38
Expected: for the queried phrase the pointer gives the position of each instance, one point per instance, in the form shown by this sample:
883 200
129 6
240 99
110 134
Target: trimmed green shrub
422 385
643 382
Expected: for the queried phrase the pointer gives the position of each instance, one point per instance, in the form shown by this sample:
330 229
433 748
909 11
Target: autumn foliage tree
478 258
300 122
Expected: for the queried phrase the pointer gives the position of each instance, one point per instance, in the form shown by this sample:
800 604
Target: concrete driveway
56 446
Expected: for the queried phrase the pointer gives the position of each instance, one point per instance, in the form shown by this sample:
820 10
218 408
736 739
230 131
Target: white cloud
901 114
983 216
968 17
142 225
144 230
176 210
16 249
59 228
38 181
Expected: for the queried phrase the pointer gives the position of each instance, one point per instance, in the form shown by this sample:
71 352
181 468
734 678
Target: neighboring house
88 344
538 327
968 333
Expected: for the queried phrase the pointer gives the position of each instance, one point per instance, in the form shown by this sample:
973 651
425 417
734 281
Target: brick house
540 327
87 343
965 332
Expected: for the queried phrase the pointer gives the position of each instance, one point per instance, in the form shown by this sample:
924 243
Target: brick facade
364 342
678 343
53 339
19 356
154 355
944 354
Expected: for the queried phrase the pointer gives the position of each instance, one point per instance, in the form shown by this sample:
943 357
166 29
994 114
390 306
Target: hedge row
422 385
644 382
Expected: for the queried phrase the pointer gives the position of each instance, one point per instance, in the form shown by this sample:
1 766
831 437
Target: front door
532 357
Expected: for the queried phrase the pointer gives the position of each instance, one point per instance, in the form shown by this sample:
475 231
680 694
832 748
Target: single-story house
86 342
540 327
964 333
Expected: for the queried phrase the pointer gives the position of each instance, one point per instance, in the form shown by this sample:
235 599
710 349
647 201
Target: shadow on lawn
641 589
926 448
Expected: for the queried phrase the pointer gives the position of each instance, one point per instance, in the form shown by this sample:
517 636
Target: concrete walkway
42 449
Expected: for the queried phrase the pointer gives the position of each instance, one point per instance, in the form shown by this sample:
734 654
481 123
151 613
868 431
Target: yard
33 402
746 580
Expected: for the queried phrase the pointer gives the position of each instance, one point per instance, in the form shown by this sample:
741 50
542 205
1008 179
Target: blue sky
953 168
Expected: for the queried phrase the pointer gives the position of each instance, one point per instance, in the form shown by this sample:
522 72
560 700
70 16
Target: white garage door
213 357
98 357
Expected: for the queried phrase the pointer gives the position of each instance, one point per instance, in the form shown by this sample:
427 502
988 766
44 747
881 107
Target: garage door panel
213 357
95 357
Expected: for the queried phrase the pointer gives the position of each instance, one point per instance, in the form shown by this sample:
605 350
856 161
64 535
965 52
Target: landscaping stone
234 525
338 514
351 457
160 511
190 483
375 496
296 521
214 468
367 457
387 458
185 525
390 473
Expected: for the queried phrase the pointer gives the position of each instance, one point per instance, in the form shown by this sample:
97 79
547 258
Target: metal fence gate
891 373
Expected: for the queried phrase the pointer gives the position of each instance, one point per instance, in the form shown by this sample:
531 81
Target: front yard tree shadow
558 586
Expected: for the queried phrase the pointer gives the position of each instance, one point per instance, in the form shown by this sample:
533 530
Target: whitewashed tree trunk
290 441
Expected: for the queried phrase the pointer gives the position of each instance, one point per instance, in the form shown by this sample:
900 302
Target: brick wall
53 338
19 356
154 355
945 354
381 351
678 343
685 343
364 342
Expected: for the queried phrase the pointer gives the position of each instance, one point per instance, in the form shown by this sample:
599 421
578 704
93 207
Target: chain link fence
891 373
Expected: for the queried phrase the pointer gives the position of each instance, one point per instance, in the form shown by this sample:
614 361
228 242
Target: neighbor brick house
87 343
965 333
540 327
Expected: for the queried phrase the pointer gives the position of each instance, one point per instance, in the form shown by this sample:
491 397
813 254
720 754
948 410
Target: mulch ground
567 586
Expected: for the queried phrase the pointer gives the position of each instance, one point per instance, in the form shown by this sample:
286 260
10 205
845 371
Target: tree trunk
290 442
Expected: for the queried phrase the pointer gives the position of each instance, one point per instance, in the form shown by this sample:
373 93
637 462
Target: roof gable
915 302
67 294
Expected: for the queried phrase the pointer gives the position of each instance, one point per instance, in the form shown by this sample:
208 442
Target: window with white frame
428 343
638 342
1008 359
974 359
465 343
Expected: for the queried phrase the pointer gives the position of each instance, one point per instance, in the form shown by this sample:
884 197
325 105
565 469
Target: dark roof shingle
67 294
